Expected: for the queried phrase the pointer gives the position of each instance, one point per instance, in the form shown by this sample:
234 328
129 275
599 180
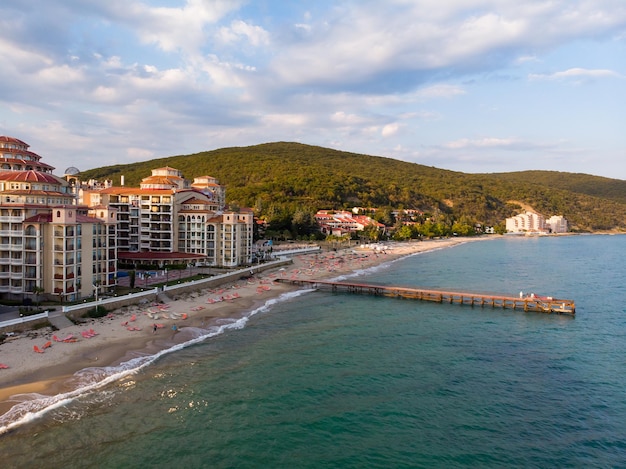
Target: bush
43 325
97 312
27 311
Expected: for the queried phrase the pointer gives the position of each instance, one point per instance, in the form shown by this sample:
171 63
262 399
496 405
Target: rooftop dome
72 171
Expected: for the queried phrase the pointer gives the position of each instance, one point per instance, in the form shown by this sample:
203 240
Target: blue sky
467 85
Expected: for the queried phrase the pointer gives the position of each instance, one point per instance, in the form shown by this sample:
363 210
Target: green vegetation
97 312
286 183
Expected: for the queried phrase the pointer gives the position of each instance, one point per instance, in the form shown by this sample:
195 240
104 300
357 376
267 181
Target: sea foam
33 406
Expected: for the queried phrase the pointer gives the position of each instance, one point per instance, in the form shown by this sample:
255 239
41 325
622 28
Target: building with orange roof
343 222
49 245
169 214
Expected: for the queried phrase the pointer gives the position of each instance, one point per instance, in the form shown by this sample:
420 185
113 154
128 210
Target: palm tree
38 291
146 276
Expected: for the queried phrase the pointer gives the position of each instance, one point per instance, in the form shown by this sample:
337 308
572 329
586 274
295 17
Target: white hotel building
531 222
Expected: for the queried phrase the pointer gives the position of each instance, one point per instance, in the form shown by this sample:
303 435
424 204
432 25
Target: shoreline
128 333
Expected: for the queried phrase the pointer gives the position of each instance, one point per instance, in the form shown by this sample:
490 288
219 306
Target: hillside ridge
281 178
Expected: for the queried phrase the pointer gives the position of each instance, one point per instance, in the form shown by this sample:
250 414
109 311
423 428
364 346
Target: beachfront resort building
49 245
342 222
530 222
557 224
171 220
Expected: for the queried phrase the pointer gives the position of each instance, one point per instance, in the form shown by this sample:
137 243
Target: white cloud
128 78
497 143
576 73
416 40
343 118
174 29
139 154
439 91
390 129
239 31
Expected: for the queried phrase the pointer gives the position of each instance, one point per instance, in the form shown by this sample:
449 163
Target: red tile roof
23 161
47 218
152 256
29 176
13 140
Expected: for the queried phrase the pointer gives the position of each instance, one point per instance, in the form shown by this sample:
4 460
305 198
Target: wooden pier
539 304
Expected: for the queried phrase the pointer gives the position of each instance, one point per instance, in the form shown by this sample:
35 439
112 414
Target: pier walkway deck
540 304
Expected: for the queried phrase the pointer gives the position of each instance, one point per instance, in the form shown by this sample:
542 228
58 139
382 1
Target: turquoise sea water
339 380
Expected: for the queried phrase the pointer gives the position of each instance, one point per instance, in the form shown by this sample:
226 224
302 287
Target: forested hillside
281 179
612 189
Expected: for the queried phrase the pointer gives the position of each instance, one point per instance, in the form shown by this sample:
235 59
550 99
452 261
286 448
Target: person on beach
154 328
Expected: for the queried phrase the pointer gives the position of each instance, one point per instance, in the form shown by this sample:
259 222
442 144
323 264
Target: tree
371 232
385 216
38 291
404 233
303 223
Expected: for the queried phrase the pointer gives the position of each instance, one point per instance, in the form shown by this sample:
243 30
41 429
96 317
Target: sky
477 86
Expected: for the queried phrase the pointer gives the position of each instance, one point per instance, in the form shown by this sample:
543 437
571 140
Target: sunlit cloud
576 73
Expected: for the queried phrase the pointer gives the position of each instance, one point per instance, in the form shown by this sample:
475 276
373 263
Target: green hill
284 178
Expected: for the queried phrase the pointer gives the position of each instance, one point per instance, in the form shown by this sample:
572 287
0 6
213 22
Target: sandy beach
144 330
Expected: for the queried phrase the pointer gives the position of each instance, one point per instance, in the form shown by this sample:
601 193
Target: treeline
285 183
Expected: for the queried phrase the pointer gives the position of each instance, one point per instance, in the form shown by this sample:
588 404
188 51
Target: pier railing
534 303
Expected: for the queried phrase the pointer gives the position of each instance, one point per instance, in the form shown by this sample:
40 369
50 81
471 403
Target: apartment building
557 224
49 245
530 222
169 219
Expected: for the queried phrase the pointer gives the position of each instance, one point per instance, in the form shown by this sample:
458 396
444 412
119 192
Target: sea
337 380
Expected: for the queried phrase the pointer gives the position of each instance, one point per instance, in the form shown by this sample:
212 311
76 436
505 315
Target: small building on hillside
342 223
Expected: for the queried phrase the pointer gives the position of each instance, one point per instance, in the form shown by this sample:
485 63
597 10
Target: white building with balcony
49 246
169 219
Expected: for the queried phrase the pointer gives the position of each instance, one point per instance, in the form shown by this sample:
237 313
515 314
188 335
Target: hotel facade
62 238
171 220
49 245
531 222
